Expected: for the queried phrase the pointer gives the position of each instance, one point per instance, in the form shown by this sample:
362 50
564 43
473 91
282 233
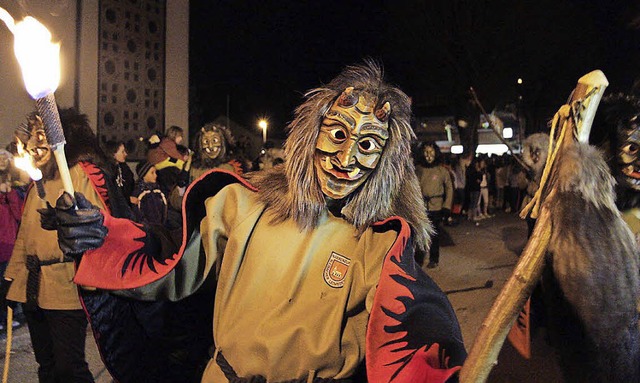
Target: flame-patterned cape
142 341
412 334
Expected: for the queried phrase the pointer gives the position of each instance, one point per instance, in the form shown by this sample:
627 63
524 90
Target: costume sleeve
17 261
15 204
413 335
143 260
170 148
448 189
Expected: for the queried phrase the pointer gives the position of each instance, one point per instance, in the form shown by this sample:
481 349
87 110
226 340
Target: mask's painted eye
368 145
631 148
338 134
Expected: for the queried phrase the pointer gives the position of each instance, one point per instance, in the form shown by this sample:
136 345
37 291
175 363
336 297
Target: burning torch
39 60
25 162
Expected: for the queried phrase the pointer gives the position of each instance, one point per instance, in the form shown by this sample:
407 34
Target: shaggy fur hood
536 142
292 190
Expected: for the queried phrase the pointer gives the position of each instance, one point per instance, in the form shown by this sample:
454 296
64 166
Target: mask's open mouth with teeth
40 155
351 174
632 175
212 151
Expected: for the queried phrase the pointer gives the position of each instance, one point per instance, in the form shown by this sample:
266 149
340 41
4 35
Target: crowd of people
486 184
189 274
148 191
453 188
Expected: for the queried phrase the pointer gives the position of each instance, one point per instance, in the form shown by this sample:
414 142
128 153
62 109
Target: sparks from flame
24 161
39 58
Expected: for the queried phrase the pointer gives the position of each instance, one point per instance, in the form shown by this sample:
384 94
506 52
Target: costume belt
231 375
429 198
33 277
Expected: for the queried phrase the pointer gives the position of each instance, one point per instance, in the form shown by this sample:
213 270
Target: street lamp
262 124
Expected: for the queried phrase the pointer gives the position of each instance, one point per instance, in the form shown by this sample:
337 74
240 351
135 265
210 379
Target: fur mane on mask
536 141
292 190
228 142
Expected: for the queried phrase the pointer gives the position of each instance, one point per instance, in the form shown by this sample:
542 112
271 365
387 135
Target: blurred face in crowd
350 144
151 176
211 144
5 160
429 153
179 139
121 154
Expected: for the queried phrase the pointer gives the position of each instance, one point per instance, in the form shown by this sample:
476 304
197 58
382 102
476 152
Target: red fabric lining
102 267
425 363
96 176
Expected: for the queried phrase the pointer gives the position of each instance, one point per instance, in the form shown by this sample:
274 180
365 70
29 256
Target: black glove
446 213
78 229
48 219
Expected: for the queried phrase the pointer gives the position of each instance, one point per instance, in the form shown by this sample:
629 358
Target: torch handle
40 189
63 168
48 111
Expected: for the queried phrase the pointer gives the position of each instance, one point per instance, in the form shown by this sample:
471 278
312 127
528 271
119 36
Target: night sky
263 55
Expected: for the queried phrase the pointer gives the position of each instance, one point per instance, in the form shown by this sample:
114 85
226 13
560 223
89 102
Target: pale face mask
211 144
350 143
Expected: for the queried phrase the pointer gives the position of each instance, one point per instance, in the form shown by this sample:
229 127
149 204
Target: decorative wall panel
131 72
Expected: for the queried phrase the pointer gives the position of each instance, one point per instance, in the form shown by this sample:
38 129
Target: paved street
481 253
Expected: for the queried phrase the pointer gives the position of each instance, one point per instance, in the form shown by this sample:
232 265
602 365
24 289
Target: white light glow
263 124
507 132
39 58
456 149
24 161
492 149
8 19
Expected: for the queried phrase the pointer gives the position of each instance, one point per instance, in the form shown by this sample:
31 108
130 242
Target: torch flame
8 19
24 162
39 58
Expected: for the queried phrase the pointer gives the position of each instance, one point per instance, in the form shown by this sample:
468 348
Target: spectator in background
483 202
437 192
465 164
123 175
512 187
474 178
10 213
170 161
501 183
149 202
459 184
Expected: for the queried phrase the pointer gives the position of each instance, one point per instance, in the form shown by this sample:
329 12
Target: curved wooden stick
576 125
495 327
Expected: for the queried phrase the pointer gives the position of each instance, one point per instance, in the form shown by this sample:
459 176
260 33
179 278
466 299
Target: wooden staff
575 121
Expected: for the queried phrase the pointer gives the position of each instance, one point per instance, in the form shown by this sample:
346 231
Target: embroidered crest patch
336 270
